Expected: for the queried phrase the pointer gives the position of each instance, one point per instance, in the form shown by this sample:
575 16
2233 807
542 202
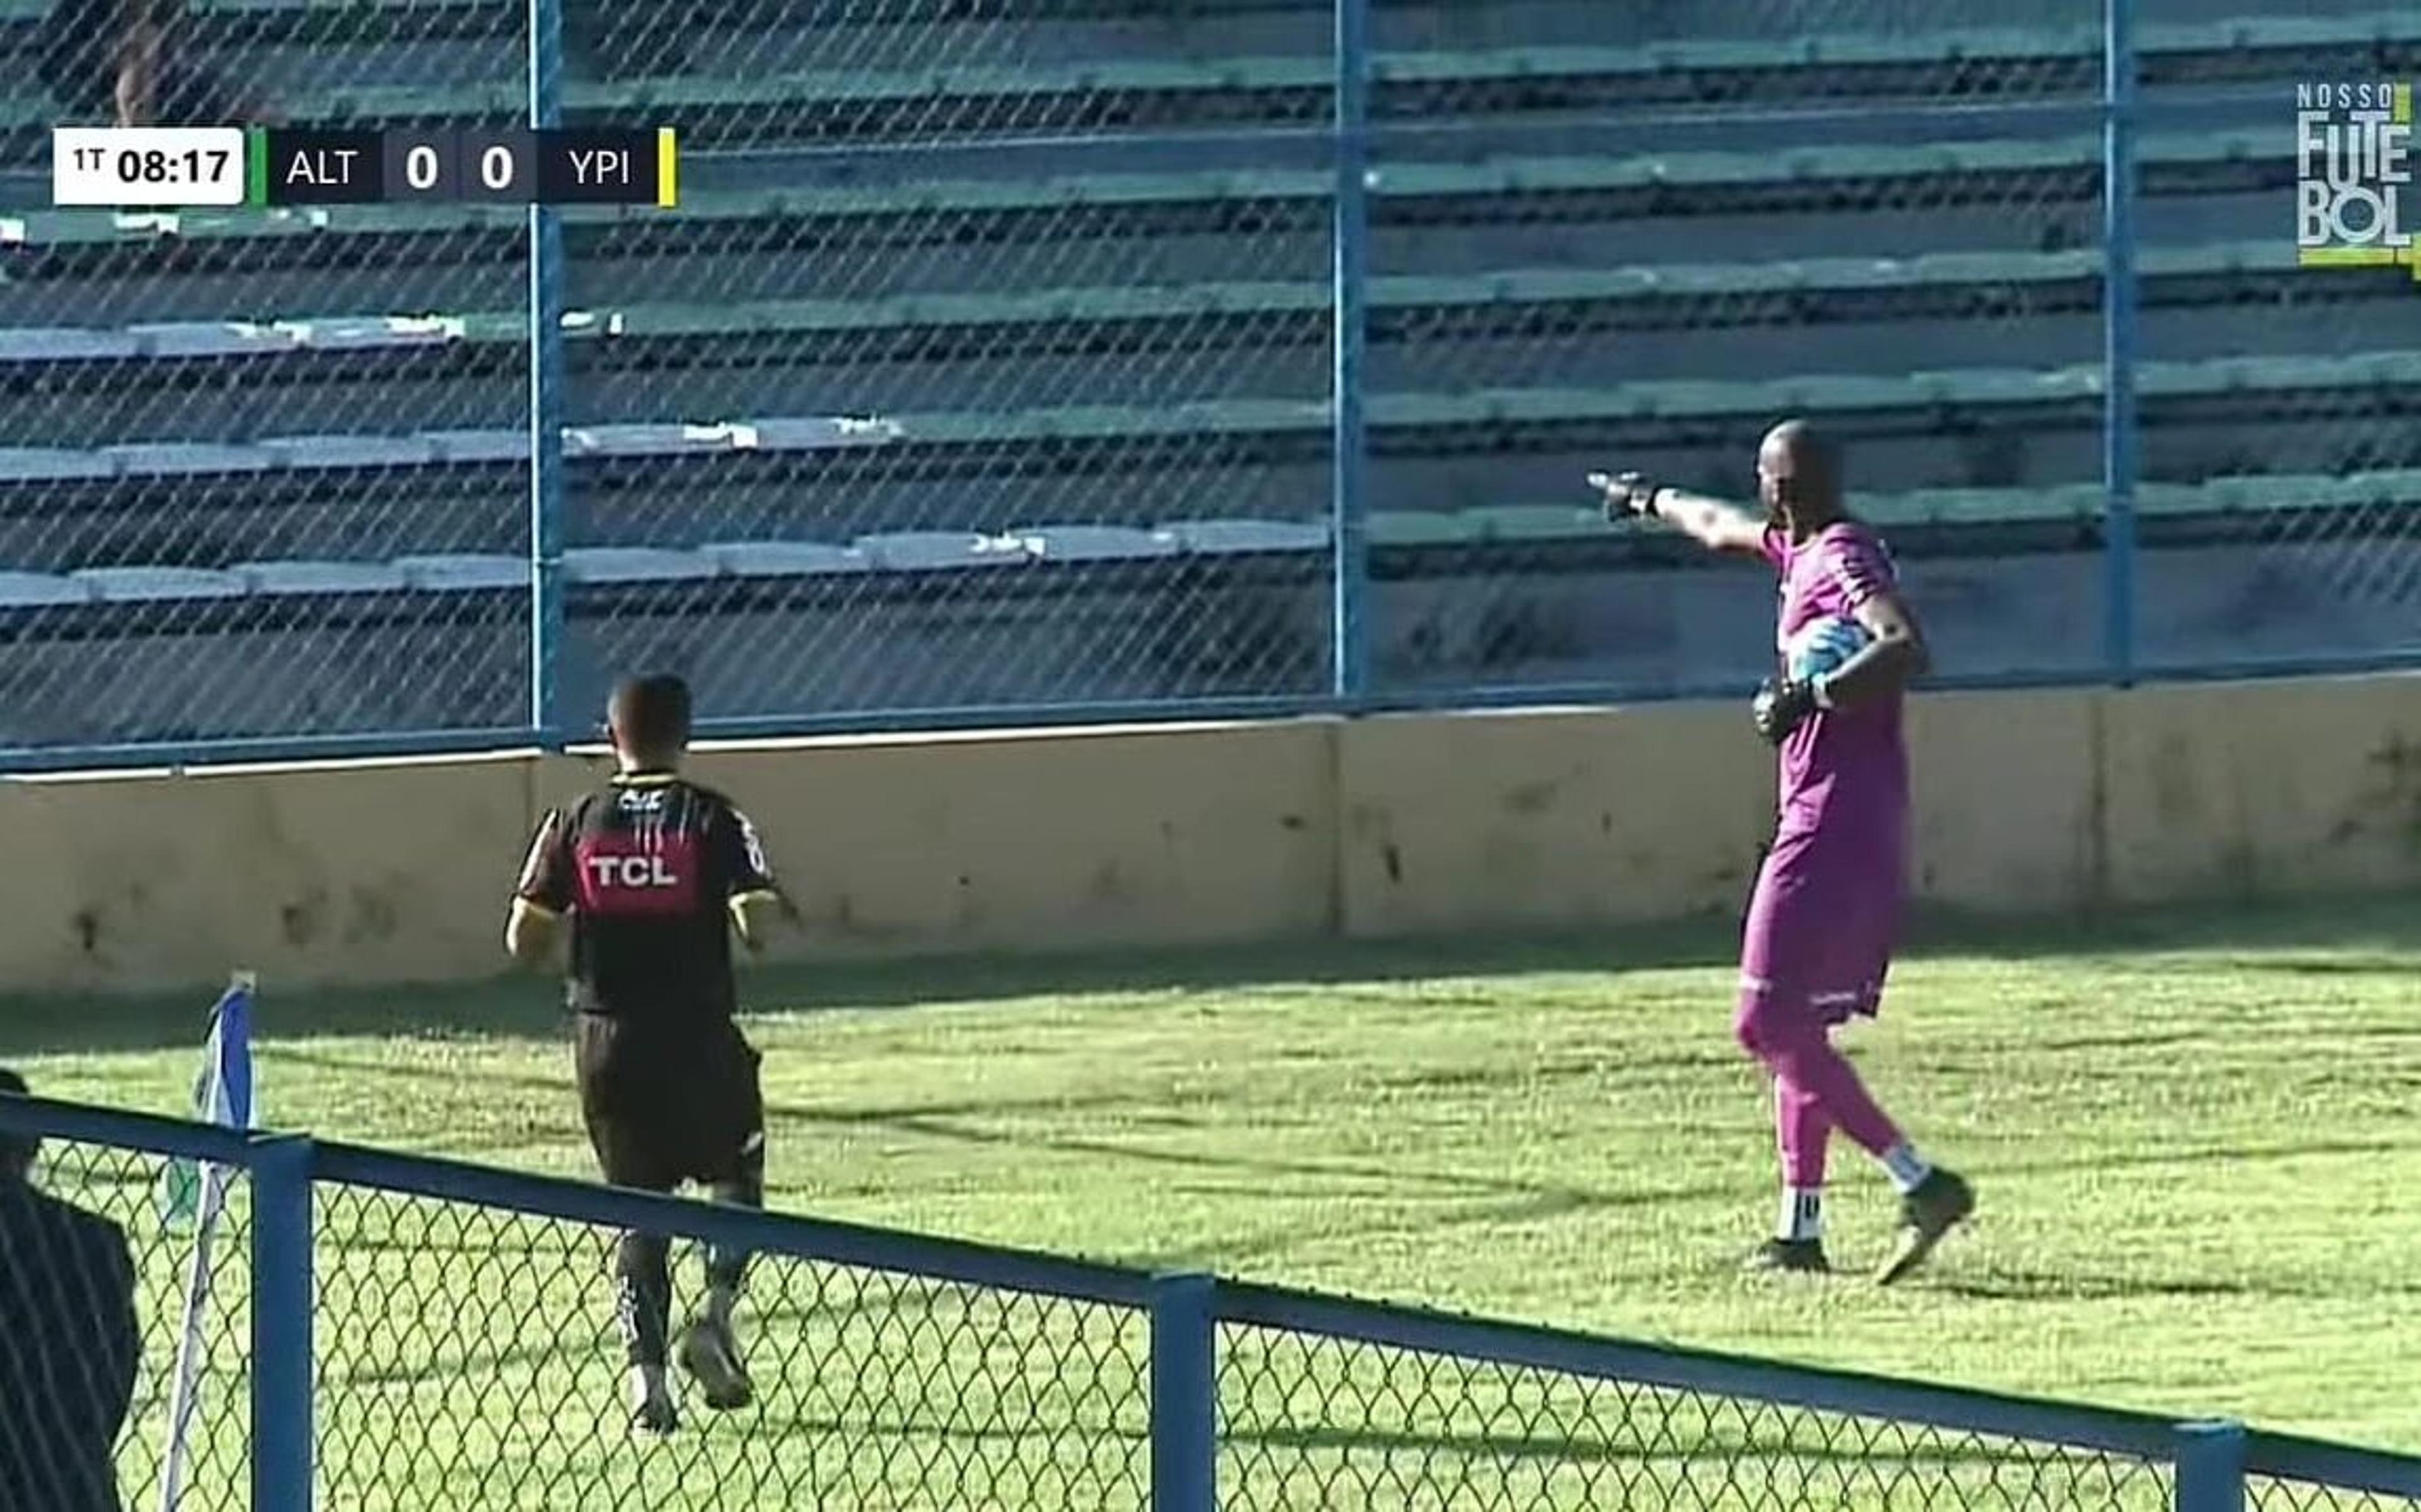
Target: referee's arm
757 898
542 896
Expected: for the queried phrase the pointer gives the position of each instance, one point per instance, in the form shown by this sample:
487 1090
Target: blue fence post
1348 291
2211 1467
2118 339
1184 1394
283 1423
546 408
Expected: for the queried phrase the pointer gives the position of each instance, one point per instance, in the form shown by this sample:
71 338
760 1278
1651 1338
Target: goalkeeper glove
1781 707
1628 495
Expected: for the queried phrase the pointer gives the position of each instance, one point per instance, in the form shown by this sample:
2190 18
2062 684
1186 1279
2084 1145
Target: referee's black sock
643 1296
726 1266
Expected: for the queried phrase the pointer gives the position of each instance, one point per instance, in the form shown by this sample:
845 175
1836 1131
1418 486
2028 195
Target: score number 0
423 168
490 165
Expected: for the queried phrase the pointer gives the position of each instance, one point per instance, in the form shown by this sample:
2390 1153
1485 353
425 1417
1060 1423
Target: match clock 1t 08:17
132 165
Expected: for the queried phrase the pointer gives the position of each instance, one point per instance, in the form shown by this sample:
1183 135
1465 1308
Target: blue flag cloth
222 1093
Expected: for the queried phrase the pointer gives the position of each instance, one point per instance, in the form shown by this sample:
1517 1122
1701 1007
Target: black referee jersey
649 870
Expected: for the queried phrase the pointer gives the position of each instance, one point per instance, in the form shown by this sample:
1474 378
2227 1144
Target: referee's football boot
1941 1202
1791 1256
711 1356
652 1404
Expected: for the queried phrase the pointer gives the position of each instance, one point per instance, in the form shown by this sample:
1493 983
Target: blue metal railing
548 494
2118 418
2208 1464
1349 628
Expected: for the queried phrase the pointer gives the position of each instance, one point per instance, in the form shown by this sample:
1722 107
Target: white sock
1906 1168
646 1385
1803 1214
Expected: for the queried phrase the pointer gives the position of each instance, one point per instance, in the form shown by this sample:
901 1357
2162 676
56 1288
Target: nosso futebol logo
2353 173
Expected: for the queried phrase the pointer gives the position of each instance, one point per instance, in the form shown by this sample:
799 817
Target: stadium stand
799 396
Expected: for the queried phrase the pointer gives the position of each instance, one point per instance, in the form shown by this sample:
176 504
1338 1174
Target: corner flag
222 1095
196 1194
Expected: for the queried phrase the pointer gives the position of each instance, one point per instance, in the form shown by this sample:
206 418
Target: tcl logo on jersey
620 874
629 871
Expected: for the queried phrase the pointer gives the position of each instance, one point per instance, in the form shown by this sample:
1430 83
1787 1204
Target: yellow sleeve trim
761 894
525 906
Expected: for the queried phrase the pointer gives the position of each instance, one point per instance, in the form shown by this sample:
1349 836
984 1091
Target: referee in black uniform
656 875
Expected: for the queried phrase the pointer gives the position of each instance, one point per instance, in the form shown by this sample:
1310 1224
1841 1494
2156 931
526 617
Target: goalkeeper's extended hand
1626 495
1781 707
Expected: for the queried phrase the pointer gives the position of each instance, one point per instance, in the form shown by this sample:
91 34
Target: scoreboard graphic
127 167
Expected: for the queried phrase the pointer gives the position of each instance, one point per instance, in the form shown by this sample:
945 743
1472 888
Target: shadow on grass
1777 1442
2321 938
2083 1286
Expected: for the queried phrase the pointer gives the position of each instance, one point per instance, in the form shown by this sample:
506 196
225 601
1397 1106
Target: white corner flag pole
222 1096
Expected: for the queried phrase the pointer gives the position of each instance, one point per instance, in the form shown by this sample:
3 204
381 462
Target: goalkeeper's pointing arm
1712 524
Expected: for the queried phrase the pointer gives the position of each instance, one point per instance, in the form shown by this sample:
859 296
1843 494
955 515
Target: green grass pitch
2195 1138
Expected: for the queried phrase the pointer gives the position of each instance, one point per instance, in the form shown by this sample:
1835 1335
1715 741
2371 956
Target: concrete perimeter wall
2046 800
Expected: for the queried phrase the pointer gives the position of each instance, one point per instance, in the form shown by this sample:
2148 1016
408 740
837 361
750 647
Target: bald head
1799 476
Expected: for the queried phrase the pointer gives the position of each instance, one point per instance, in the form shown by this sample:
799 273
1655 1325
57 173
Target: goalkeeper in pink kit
1818 940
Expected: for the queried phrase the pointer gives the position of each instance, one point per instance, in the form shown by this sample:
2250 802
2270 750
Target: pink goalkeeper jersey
1848 768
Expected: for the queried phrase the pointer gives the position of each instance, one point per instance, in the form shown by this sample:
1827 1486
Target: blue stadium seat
55 464
1419 527
926 551
1226 538
666 440
373 332
211 339
65 345
465 573
282 580
602 565
158 584
353 451
171 459
38 590
786 559
819 432
1516 522
476 446
1095 543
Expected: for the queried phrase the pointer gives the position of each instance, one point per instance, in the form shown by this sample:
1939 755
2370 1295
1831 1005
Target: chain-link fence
464 1350
1866 213
987 366
471 1357
235 439
1311 1421
1031 391
2279 507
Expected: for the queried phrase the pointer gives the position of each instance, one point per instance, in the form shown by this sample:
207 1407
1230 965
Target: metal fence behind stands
225 413
1095 364
388 1332
1030 368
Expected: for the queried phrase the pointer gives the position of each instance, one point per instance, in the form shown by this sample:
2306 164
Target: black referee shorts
667 1105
